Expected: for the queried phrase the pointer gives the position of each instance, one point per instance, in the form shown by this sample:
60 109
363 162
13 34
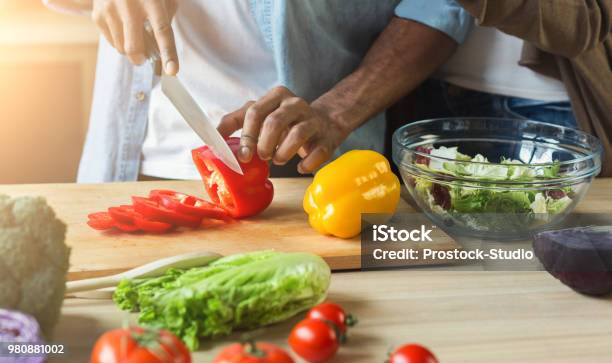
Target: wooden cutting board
283 227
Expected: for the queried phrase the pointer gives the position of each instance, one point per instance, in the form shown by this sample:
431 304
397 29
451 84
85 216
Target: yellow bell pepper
360 181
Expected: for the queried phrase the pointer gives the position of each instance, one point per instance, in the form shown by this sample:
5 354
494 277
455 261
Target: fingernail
278 161
171 67
245 153
300 169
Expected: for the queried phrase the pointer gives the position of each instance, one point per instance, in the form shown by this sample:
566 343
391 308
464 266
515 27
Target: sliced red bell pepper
103 221
127 219
188 204
155 211
241 195
100 221
129 228
121 215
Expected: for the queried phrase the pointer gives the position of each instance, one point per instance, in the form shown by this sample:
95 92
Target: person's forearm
70 6
402 57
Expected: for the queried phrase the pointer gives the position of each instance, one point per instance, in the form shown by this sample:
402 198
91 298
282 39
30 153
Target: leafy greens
469 197
236 292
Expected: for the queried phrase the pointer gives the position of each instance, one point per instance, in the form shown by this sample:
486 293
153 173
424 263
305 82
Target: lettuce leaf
236 292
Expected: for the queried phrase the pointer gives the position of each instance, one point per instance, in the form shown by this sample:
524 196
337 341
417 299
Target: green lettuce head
236 292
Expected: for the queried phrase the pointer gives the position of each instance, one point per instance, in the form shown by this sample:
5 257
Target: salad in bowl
495 177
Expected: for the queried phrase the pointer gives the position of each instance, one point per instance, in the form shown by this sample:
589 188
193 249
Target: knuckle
300 133
255 111
273 122
162 27
108 7
281 90
297 101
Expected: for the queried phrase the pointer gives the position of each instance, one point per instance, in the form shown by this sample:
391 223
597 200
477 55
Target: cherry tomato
153 210
100 221
253 353
412 353
333 313
138 345
188 204
314 340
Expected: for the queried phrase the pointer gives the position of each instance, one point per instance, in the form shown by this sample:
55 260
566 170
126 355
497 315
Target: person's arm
404 55
281 124
566 28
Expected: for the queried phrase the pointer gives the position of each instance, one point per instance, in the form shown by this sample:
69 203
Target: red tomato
253 353
314 340
100 221
153 210
241 195
412 353
188 204
333 313
138 345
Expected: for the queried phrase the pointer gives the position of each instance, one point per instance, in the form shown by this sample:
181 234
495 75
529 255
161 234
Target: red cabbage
579 257
16 327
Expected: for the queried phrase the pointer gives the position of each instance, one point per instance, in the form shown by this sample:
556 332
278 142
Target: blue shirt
315 44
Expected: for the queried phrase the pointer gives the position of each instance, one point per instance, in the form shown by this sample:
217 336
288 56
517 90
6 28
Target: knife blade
199 121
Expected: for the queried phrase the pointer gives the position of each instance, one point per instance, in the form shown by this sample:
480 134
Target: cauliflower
33 259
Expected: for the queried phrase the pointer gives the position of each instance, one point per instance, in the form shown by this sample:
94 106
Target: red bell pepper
241 195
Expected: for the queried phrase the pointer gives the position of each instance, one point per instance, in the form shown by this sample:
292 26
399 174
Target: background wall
47 66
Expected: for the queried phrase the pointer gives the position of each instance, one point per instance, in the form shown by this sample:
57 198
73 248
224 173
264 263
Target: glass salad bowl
499 178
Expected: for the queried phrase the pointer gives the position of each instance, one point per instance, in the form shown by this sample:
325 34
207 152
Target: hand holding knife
192 113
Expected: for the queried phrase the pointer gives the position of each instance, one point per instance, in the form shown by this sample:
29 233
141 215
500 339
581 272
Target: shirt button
140 96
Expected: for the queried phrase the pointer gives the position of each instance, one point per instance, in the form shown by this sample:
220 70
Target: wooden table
463 316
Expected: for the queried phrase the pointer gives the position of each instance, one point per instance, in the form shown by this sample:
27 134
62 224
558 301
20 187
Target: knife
196 117
199 121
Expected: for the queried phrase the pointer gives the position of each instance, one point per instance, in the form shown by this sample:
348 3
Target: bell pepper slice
155 211
359 181
188 204
127 219
241 195
101 221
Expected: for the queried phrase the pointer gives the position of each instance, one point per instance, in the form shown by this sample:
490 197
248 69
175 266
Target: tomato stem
251 349
351 320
